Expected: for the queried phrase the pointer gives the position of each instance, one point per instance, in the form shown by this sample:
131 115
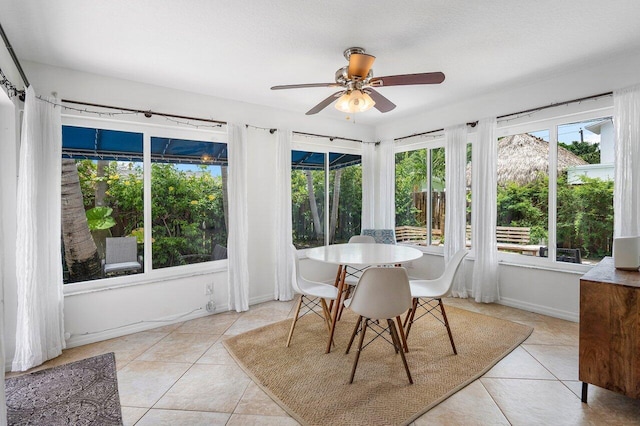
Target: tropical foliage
186 208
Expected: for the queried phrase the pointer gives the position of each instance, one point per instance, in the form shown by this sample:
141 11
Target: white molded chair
381 294
312 294
427 294
354 273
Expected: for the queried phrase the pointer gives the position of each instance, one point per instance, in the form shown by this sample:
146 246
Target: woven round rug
313 387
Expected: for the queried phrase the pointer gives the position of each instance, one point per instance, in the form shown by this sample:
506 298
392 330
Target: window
188 201
420 196
584 230
310 172
523 192
102 187
566 215
103 199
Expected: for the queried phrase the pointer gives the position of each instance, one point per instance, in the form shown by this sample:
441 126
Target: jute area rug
313 386
84 392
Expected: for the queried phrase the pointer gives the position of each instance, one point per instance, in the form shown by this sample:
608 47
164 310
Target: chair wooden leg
353 335
402 335
355 362
396 340
446 323
295 319
336 283
327 316
410 316
334 318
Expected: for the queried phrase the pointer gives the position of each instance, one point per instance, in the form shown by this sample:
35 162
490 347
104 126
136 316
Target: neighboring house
604 170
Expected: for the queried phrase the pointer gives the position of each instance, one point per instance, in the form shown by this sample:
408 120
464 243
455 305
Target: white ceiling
239 49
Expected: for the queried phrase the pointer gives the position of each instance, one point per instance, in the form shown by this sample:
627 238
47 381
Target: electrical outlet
208 289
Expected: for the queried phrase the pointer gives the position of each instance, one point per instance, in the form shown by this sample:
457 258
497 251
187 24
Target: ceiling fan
356 80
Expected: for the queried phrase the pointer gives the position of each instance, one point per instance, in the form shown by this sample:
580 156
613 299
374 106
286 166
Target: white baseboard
540 309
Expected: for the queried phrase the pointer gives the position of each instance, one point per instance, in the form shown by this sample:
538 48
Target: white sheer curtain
626 191
368 185
483 212
40 328
456 212
284 227
3 400
238 239
385 216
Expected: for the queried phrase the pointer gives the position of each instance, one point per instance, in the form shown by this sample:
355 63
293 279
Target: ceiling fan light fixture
355 101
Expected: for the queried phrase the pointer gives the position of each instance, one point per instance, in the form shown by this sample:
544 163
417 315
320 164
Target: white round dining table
357 254
363 254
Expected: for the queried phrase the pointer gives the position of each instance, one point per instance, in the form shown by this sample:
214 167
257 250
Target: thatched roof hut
521 158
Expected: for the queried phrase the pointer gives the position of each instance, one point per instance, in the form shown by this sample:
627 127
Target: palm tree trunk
81 255
334 206
317 225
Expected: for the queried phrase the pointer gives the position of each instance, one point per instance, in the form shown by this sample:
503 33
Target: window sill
155 276
522 261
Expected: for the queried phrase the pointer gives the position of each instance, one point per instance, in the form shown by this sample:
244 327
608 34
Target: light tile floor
182 375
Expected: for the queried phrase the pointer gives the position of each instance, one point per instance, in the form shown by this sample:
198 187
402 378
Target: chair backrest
381 236
446 279
382 293
362 239
219 252
121 249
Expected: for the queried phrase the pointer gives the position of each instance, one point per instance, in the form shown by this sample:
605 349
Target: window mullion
327 206
146 158
429 212
553 192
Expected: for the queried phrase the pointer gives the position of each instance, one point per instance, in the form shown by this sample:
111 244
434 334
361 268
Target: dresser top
606 272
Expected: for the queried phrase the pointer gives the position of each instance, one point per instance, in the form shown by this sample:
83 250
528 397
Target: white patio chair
121 255
312 294
427 294
381 294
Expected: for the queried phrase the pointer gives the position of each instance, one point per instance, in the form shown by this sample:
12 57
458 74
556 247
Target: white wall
600 75
8 158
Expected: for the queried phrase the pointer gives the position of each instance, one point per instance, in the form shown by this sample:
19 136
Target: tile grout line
494 401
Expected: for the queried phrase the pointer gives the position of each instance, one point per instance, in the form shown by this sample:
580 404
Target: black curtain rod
147 113
471 124
150 113
14 57
331 138
526 111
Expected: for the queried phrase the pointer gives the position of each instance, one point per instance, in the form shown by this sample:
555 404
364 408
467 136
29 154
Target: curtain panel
40 327
284 227
385 215
456 212
626 191
368 185
483 212
238 240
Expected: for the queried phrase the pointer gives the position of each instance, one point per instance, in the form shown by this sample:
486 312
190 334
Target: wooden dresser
610 329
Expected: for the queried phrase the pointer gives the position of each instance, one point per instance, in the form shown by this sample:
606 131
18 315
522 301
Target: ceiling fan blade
360 64
325 103
304 86
382 104
407 79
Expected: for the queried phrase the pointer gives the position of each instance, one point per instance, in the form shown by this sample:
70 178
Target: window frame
149 275
547 120
429 142
324 146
